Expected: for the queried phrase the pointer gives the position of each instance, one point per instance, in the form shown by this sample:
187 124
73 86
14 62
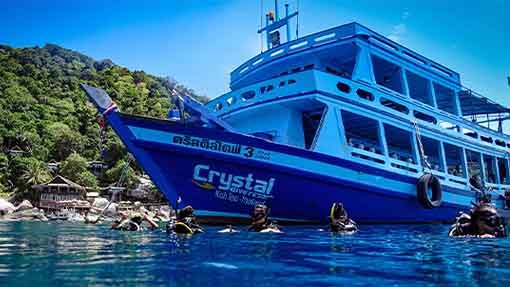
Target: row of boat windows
365 134
390 76
363 94
248 95
51 196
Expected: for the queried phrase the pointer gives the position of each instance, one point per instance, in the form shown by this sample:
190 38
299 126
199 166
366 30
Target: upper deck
247 73
351 92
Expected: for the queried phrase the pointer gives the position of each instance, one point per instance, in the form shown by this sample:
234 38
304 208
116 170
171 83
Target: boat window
387 74
340 73
473 159
419 88
218 106
486 139
339 63
400 144
247 95
290 82
432 150
445 98
308 67
312 121
470 133
267 88
394 105
503 170
490 169
282 83
425 117
448 126
361 132
343 87
230 100
295 70
500 143
453 155
366 95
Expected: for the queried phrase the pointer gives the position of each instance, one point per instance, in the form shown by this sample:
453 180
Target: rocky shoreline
101 210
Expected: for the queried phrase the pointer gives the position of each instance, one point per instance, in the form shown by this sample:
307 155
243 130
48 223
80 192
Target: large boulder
111 210
24 205
6 207
100 202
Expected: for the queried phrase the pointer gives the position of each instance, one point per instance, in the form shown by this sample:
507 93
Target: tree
25 172
122 174
76 169
4 170
36 173
63 141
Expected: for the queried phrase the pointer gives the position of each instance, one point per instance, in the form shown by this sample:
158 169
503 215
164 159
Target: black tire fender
425 183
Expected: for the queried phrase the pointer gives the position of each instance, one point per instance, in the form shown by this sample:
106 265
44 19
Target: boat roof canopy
475 104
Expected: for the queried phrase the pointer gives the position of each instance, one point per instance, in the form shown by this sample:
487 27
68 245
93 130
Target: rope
121 177
420 145
297 20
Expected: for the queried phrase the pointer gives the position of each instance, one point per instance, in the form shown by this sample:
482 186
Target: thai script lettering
215 145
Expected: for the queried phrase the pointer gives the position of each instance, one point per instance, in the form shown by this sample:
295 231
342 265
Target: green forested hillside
45 116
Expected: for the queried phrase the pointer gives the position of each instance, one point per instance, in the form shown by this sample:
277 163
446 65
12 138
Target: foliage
46 115
122 174
36 173
75 168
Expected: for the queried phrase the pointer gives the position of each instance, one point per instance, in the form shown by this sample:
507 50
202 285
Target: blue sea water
74 254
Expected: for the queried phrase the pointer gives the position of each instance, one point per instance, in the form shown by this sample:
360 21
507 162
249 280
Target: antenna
261 23
273 25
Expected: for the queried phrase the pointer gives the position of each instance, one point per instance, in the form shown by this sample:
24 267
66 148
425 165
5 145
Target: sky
199 42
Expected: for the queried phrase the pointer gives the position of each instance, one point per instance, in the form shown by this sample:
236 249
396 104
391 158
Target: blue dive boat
343 115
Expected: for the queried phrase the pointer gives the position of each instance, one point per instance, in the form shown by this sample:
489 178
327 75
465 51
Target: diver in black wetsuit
186 222
482 221
340 221
133 222
259 219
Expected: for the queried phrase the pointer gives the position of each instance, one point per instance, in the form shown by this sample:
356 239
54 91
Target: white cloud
405 15
397 32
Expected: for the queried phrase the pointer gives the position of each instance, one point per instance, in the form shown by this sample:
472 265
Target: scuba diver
481 221
340 221
133 222
185 223
260 221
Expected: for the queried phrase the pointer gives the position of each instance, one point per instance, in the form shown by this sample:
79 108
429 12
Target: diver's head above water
482 221
187 211
260 210
486 221
338 211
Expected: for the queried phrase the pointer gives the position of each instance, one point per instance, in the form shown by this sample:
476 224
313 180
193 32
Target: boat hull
223 175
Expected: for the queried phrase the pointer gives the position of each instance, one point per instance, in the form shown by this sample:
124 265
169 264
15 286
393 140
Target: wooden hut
61 193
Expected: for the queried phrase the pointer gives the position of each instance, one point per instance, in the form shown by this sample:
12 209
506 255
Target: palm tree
36 173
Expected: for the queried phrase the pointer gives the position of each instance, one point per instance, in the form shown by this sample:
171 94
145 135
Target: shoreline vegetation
46 118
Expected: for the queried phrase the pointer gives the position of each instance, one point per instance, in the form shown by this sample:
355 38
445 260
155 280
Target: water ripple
67 254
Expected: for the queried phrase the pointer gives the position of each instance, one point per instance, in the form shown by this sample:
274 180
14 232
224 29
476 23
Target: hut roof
60 181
